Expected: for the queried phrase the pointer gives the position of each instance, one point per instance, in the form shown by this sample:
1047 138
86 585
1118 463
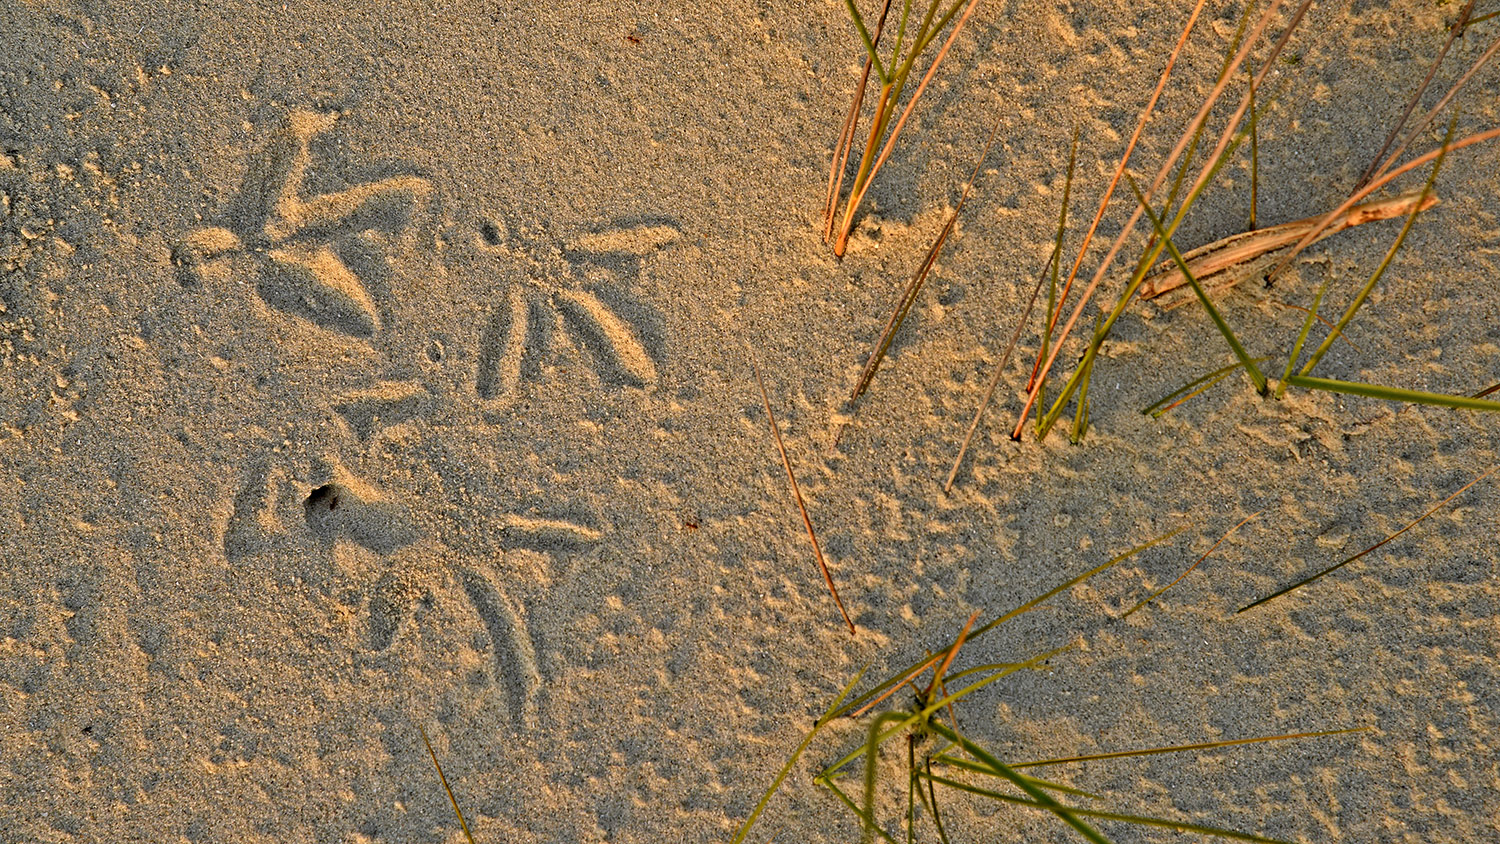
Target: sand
369 369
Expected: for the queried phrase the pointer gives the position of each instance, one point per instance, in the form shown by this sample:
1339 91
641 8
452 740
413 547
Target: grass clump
918 28
942 762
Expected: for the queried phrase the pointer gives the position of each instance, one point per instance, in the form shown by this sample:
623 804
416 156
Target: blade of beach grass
1487 390
952 654
909 677
1038 377
925 712
1053 305
791 477
1320 318
1385 262
1086 377
1135 136
1153 251
1437 109
1241 249
1331 569
1040 797
1239 351
1179 748
937 819
1254 149
443 777
1193 389
858 812
1192 147
978 768
851 127
1189 135
919 278
1211 168
893 84
989 391
872 761
1139 820
1085 367
1376 184
1416 96
901 676
1051 267
1158 593
1291 360
1375 391
823 720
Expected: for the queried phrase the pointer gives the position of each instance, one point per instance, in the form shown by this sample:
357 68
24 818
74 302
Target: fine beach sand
364 370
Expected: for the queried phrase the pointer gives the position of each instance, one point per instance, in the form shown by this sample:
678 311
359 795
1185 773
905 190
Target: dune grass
951 763
1241 127
917 31
453 801
1335 567
812 535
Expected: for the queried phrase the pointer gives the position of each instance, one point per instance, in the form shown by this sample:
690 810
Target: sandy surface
362 371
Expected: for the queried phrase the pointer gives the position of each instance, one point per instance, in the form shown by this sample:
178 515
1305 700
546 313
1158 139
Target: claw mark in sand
295 239
576 285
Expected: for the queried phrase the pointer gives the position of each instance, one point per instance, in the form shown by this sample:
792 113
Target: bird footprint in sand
302 244
578 285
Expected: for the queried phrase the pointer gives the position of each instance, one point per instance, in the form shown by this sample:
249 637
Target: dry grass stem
846 137
1331 569
1416 96
791 477
1114 181
1161 175
862 182
1241 249
919 278
1435 110
1206 554
441 776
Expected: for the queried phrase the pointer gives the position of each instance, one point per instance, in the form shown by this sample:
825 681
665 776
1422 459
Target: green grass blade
1307 324
1062 230
919 278
911 718
872 762
1205 178
900 28
1385 262
1158 593
1239 351
1375 391
1081 415
937 818
1193 389
1038 795
978 768
864 35
444 778
1331 569
858 813
1212 745
900 677
1140 820
828 715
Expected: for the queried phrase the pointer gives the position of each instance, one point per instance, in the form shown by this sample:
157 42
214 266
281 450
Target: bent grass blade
1331 569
